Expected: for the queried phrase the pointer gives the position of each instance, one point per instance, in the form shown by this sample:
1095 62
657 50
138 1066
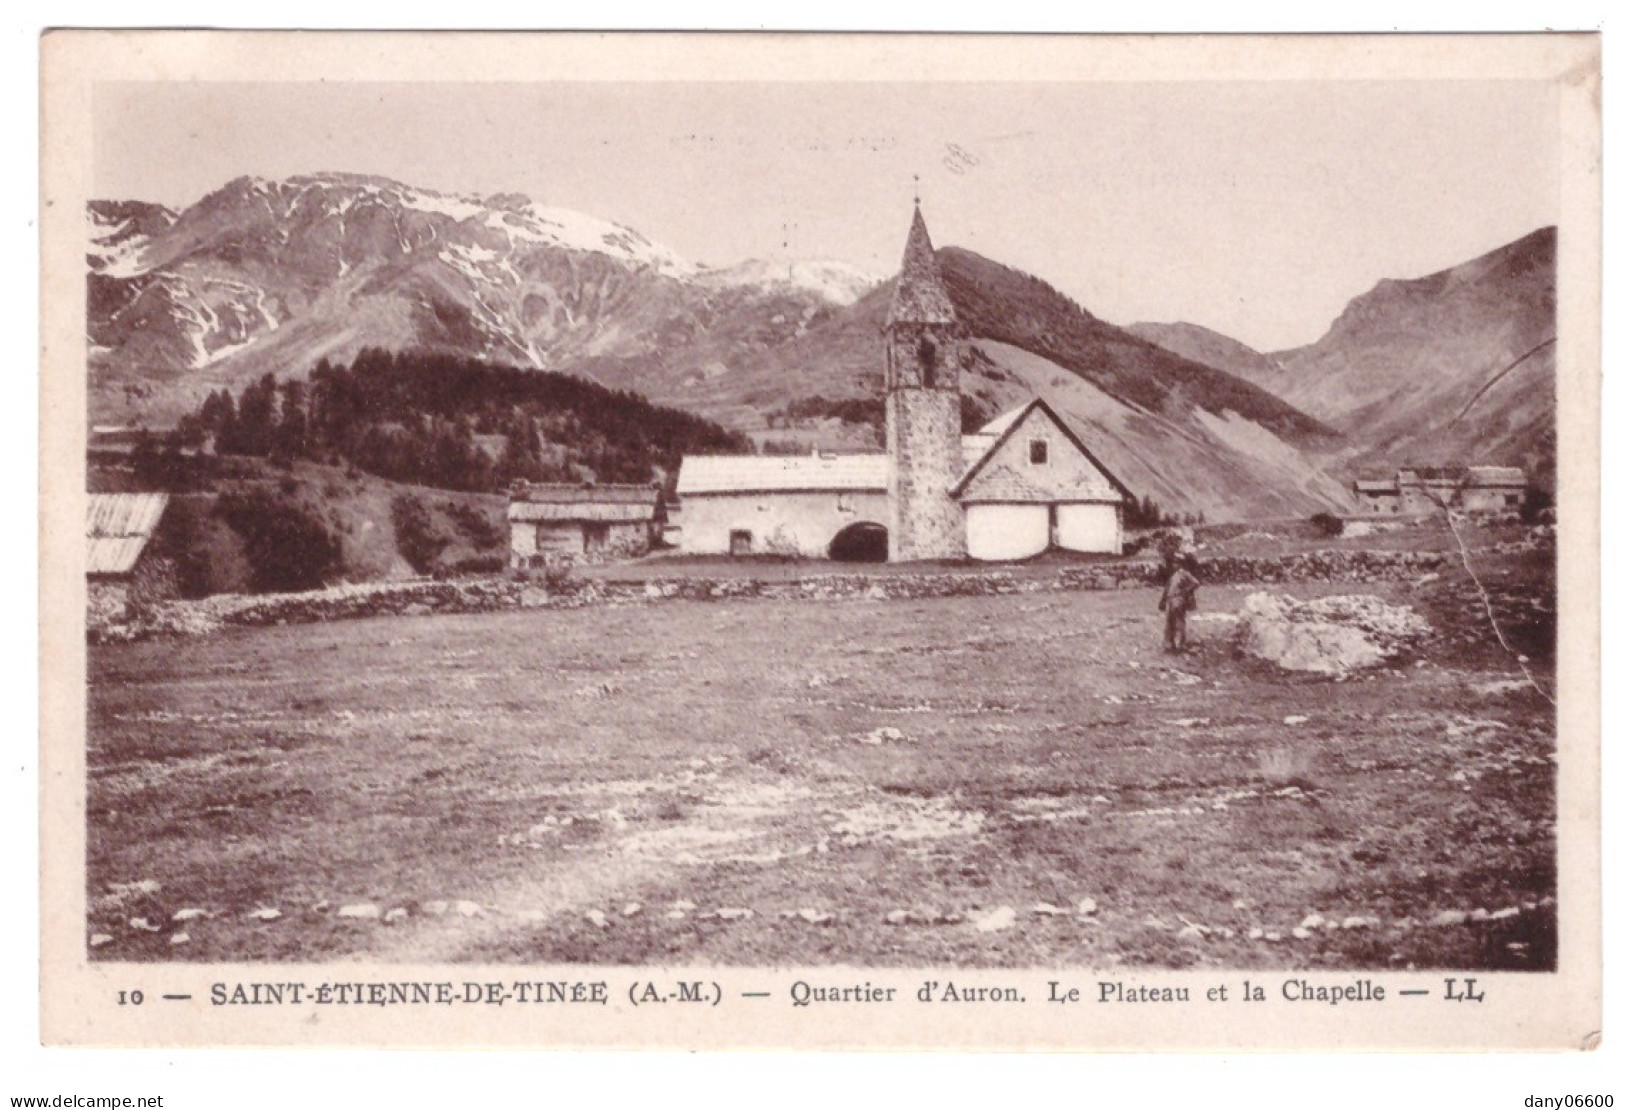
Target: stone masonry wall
561 591
778 523
922 437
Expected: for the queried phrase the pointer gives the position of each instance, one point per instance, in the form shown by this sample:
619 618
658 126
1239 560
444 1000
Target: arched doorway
863 542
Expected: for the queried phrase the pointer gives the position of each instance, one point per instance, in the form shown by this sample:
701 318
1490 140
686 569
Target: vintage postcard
816 541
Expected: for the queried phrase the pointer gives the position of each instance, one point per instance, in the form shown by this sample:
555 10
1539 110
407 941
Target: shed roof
1432 473
1495 476
563 512
702 474
118 527
573 493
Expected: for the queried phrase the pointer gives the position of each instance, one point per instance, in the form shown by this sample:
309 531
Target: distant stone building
122 564
1423 491
568 523
1019 486
1377 495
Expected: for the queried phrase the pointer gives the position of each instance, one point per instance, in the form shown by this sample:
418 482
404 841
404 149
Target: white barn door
1006 531
1092 527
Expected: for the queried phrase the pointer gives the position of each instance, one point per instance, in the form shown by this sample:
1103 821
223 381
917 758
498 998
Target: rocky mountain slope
1455 367
1423 370
274 275
1205 345
1195 438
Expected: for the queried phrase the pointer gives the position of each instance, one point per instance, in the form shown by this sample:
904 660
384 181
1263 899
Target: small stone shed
582 522
122 564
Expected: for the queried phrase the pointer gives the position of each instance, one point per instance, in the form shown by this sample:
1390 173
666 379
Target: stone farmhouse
1423 491
574 523
1020 486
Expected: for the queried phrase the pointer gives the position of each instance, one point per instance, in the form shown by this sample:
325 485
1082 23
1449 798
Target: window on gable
1038 452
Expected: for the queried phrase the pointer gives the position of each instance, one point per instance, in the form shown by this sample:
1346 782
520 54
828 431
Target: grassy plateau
1021 780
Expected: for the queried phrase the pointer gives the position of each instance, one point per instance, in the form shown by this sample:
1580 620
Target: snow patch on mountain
520 220
114 248
835 282
458 208
341 261
560 227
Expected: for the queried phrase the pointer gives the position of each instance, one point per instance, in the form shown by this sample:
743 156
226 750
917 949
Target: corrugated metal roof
117 528
124 514
565 512
701 474
576 493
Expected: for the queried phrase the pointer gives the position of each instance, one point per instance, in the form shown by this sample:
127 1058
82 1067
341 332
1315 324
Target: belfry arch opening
928 363
863 542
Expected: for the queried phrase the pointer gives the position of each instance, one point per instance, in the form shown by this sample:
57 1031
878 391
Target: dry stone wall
1305 566
563 591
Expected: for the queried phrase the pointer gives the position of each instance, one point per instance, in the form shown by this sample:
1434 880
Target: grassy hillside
1417 371
1008 306
258 527
1211 348
1226 468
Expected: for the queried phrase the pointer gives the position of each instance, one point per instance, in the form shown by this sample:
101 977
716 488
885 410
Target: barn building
1422 491
818 505
1021 485
565 522
122 564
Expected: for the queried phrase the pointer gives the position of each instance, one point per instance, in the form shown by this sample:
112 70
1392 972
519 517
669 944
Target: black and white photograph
1105 526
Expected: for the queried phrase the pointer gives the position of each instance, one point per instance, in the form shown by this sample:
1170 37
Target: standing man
1178 599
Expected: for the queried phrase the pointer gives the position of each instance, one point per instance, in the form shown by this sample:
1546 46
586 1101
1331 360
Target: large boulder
1329 635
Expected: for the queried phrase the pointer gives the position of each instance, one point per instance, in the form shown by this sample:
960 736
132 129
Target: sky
1255 208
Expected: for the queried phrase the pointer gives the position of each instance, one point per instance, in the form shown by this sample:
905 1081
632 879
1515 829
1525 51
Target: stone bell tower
922 408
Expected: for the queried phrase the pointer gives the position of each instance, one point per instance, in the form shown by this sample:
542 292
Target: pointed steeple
920 297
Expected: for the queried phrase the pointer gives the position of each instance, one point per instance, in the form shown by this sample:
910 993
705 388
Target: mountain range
1458 365
271 276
